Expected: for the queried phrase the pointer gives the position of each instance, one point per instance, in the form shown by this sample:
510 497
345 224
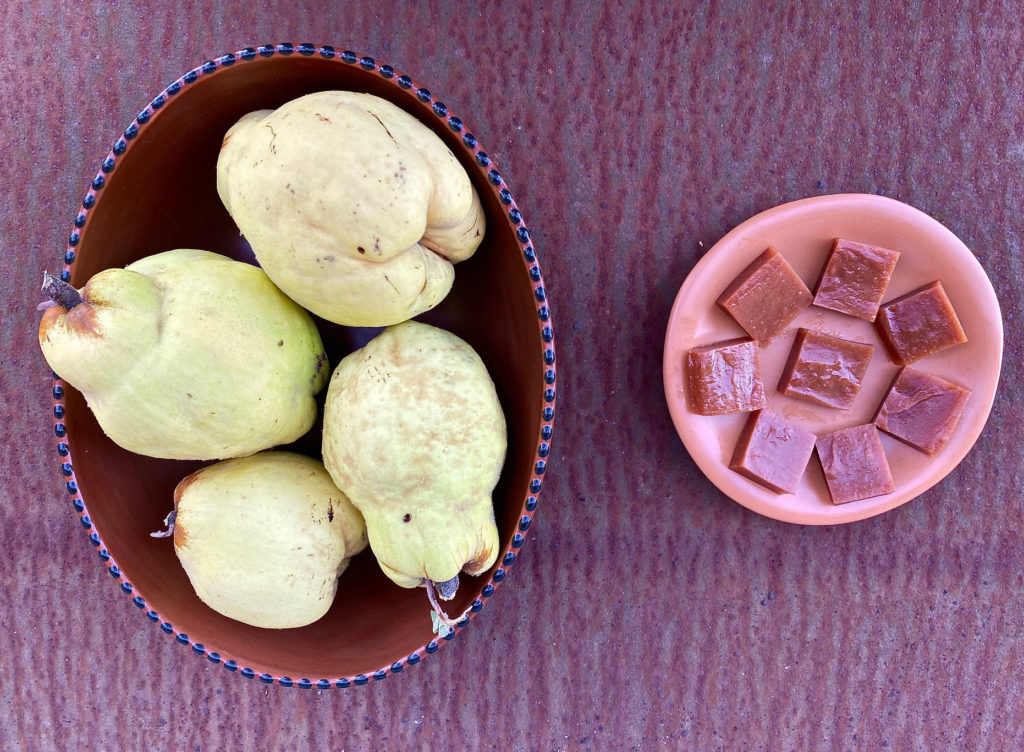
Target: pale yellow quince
264 538
415 436
353 207
187 355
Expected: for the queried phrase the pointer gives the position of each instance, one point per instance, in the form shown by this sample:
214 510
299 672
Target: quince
353 207
415 437
187 355
264 538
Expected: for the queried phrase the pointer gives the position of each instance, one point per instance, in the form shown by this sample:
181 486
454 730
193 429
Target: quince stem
446 590
60 292
169 524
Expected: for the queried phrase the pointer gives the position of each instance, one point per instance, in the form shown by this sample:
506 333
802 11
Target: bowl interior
162 195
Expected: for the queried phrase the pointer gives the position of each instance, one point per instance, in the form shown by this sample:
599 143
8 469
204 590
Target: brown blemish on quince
383 126
180 533
321 359
475 566
180 536
81 320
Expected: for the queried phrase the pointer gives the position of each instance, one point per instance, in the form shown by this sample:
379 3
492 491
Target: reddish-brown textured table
647 611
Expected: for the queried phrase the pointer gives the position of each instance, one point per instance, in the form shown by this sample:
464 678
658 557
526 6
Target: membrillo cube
853 460
919 324
766 296
854 278
772 451
725 378
825 370
922 410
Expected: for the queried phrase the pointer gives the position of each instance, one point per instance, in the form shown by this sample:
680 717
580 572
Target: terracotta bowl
156 190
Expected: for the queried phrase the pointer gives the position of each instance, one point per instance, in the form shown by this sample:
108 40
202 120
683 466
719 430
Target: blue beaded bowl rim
485 165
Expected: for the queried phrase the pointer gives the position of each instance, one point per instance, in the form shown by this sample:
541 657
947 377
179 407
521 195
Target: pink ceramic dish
156 190
803 231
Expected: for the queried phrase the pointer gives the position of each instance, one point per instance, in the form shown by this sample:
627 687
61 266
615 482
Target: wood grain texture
646 611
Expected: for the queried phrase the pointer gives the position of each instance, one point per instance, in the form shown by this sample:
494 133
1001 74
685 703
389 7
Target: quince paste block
919 324
766 296
854 278
825 370
773 452
854 463
725 378
922 410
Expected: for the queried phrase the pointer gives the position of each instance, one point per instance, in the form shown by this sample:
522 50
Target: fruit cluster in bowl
356 192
